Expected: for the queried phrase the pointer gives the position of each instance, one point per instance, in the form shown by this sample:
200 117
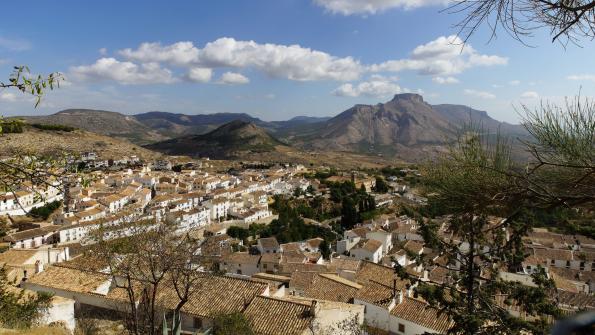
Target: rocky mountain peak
412 97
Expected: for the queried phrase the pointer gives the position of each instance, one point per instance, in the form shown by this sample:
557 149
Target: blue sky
276 59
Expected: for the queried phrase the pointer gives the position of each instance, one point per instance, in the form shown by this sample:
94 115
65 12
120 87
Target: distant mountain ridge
404 127
228 141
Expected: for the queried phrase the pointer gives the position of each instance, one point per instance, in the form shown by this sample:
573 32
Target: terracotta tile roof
422 314
31 233
576 300
361 231
241 258
270 316
86 262
301 280
294 257
575 275
413 246
372 245
345 264
16 257
269 242
288 247
272 277
379 273
332 287
375 293
214 295
556 254
270 258
69 279
289 268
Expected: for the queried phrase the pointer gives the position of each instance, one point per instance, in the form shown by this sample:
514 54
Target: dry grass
35 141
35 331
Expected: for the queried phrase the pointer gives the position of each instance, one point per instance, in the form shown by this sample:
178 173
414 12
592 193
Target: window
553 262
264 266
401 328
197 323
239 272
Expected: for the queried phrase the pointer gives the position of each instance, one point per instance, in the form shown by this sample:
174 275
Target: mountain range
404 127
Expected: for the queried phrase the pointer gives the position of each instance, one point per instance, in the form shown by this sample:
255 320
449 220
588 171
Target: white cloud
103 51
8 97
14 44
444 56
581 77
530 95
364 7
122 72
514 83
279 61
180 53
371 88
232 78
445 80
441 58
270 96
479 94
199 74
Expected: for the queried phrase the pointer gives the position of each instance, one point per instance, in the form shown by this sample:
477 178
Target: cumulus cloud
365 7
530 95
232 78
441 58
445 80
8 97
279 61
199 74
581 77
479 94
103 51
180 53
122 72
375 87
444 56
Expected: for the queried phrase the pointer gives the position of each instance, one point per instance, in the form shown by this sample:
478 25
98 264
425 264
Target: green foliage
325 249
21 80
349 215
19 308
238 232
4 226
231 324
473 184
290 226
11 126
381 185
53 127
392 171
46 210
354 202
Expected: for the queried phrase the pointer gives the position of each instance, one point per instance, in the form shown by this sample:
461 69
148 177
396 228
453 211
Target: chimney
313 308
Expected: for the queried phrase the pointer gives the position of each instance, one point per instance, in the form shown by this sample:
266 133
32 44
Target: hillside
58 143
174 125
228 141
405 126
101 122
